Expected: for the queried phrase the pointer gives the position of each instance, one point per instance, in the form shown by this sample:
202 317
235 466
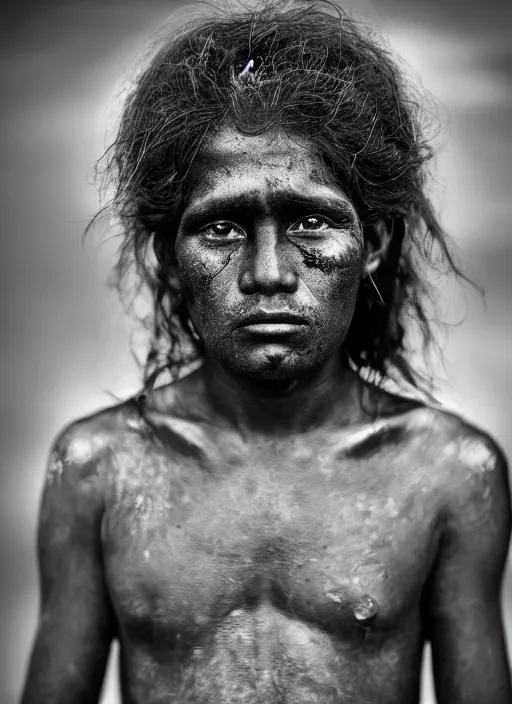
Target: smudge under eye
316 259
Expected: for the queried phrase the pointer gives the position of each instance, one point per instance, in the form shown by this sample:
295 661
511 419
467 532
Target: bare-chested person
272 527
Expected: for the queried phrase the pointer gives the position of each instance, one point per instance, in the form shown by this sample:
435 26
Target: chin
274 364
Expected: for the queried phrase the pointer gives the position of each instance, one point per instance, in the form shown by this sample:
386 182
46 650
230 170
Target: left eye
311 223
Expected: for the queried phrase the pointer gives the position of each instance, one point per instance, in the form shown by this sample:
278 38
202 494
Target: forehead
271 161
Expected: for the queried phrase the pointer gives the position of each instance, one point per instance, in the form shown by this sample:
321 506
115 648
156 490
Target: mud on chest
182 567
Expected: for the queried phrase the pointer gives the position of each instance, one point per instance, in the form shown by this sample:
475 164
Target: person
273 521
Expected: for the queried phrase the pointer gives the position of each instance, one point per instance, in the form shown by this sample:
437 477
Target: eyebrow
282 200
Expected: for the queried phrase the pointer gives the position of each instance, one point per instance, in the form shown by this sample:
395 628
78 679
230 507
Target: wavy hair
312 70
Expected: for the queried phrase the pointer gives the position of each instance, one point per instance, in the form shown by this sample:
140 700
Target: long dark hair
314 71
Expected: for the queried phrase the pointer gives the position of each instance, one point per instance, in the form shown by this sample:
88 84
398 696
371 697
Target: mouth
273 323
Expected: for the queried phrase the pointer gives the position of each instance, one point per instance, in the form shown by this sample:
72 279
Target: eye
312 223
223 231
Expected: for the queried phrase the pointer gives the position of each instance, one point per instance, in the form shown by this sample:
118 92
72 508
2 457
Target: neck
328 395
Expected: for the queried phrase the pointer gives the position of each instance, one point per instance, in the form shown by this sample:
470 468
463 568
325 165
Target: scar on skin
228 260
315 259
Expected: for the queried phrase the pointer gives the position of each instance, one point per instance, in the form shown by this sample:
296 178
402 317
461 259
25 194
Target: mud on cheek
332 258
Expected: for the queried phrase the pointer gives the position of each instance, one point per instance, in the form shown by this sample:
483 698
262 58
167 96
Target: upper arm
468 648
76 626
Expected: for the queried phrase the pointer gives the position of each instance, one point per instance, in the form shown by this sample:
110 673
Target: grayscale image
256 343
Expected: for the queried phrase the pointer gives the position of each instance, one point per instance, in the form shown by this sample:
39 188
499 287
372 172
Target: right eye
223 231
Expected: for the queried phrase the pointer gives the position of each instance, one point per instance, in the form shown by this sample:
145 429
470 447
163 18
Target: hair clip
247 69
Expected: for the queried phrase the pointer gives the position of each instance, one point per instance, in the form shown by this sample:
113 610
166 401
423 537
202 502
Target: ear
377 237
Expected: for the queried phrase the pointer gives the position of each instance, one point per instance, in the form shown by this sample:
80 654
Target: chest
336 547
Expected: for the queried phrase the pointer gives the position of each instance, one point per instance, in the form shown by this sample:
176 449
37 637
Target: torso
271 572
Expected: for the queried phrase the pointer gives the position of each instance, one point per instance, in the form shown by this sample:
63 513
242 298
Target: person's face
270 255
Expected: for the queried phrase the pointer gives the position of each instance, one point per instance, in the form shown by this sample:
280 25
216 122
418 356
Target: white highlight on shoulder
73 447
55 469
471 452
79 449
476 453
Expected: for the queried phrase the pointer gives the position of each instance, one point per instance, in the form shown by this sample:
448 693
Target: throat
330 395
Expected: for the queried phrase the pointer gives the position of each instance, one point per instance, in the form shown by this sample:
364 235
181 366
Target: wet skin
267 529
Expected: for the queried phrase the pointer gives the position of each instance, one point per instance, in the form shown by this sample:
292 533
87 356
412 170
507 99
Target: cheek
199 272
333 272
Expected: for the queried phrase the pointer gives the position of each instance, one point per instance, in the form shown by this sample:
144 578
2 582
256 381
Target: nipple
365 608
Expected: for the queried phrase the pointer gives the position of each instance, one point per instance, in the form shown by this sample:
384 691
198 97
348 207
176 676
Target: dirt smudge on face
314 258
273 361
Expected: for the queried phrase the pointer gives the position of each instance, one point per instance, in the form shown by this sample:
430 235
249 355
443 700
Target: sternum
251 638
266 645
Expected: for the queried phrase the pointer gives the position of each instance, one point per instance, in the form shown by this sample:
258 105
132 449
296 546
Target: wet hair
312 70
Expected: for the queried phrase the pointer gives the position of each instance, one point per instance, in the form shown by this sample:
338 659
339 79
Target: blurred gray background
64 340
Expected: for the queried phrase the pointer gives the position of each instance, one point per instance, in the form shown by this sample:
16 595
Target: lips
273 323
264 317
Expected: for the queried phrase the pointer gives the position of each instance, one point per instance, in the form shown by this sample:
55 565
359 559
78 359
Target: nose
267 267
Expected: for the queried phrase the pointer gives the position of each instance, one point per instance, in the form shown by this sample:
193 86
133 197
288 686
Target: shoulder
453 450
469 471
462 465
73 498
81 450
85 453
465 455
